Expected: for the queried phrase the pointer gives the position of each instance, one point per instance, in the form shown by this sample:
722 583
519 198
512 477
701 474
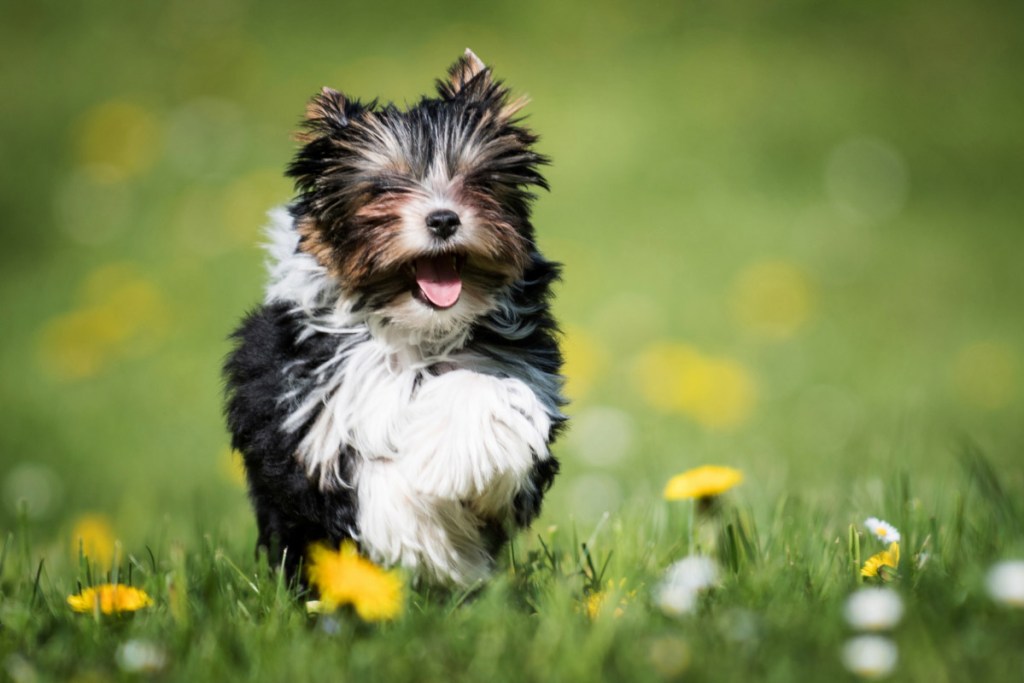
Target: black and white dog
400 384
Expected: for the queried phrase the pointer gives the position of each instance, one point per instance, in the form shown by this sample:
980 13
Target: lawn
791 238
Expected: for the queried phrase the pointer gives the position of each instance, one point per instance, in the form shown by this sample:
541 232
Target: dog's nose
443 223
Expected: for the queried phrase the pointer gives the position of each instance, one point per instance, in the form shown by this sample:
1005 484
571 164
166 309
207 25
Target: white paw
472 436
436 539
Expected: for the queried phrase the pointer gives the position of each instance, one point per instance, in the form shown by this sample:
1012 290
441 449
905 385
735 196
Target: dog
400 385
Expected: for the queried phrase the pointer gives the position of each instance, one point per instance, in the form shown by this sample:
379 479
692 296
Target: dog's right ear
329 112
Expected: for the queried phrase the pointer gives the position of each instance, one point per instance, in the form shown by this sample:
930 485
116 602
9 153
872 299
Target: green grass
872 149
786 569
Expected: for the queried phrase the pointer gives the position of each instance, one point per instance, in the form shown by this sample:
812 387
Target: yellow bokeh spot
232 467
985 374
93 535
122 314
772 299
585 359
246 201
117 140
716 392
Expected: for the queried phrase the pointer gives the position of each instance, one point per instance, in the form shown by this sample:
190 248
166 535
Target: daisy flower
343 577
870 656
139 656
110 599
678 592
873 609
882 530
1005 582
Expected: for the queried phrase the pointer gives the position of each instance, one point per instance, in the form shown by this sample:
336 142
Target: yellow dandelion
343 577
595 601
702 482
110 599
94 536
882 565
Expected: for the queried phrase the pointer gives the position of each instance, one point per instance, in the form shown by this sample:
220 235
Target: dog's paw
472 436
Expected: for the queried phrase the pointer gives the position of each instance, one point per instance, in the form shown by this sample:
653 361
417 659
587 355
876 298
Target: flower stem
693 513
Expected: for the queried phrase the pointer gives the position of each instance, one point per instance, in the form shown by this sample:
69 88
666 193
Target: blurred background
792 236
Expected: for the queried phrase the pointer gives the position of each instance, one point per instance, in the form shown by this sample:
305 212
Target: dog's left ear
470 79
467 75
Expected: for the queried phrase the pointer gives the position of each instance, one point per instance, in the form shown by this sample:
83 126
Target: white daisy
870 656
873 609
1006 582
882 530
684 580
140 656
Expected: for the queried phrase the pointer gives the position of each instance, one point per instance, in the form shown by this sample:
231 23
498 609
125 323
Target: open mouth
439 279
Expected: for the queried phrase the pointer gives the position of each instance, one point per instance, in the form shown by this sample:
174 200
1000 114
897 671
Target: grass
792 239
786 570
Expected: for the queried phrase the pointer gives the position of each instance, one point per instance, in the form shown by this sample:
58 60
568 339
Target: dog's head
421 215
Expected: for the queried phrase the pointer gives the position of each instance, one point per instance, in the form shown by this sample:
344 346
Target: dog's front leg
475 438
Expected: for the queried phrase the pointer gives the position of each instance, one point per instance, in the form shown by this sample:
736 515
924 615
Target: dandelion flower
884 564
345 578
594 603
870 656
678 592
596 600
873 609
882 530
702 482
1005 582
110 599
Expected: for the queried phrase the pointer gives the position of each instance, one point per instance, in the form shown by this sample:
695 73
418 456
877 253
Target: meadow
792 240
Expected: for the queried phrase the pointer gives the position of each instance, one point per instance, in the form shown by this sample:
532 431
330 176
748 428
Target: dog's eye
386 185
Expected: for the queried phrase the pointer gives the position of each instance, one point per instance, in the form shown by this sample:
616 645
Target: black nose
443 222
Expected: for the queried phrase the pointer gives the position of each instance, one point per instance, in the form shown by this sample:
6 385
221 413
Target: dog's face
421 215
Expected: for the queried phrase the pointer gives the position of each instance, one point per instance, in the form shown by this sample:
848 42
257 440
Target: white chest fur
435 455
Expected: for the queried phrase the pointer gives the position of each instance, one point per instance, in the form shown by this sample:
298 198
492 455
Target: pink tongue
438 280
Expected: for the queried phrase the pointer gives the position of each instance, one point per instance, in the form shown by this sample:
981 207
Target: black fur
291 511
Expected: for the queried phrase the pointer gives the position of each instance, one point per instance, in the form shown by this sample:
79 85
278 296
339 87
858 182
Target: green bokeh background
873 148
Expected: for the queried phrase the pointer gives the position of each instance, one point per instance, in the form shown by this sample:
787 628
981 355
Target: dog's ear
329 112
468 77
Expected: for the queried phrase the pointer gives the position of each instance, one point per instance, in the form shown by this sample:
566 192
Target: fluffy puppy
400 384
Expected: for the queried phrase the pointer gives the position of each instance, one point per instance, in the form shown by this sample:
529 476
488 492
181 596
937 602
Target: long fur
362 409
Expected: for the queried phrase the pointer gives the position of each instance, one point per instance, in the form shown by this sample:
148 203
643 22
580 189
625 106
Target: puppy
400 384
